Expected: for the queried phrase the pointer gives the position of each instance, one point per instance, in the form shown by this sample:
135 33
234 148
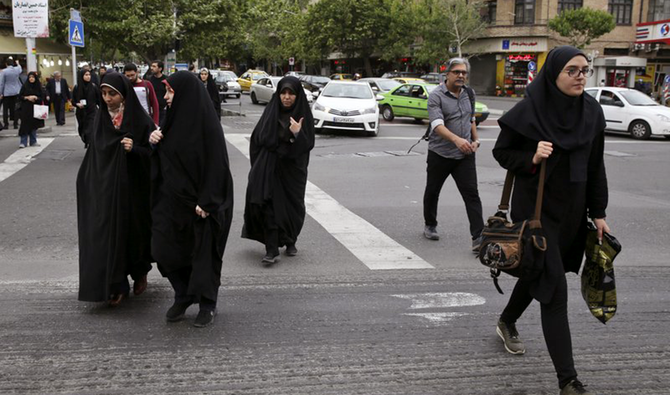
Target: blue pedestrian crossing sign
76 33
532 66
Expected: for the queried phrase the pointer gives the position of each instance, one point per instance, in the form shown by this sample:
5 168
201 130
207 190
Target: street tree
361 28
582 25
447 24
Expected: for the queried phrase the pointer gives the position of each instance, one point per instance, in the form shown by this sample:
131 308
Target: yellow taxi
250 77
341 77
409 80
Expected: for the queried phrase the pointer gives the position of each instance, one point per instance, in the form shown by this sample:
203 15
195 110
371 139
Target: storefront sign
512 44
523 58
653 32
31 18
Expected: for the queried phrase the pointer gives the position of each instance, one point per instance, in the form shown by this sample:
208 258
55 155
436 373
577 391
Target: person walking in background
85 97
30 94
452 146
10 86
59 94
113 202
144 91
192 198
212 91
274 212
558 123
157 78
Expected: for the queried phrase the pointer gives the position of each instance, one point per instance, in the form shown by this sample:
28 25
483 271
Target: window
621 10
569 5
659 10
524 12
488 11
402 91
609 98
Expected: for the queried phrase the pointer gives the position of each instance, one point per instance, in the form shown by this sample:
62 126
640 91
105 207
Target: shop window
516 74
488 11
622 11
564 5
524 12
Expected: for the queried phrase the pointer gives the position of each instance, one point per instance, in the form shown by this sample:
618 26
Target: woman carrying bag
561 124
30 95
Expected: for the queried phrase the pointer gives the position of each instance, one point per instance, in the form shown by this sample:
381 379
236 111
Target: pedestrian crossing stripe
76 36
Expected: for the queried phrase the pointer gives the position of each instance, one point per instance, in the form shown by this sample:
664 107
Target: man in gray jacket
10 86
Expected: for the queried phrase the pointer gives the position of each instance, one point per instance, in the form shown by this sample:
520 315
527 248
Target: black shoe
510 338
291 250
430 233
575 387
270 258
204 318
177 311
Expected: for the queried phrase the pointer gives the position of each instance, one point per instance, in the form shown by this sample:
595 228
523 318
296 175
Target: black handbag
518 248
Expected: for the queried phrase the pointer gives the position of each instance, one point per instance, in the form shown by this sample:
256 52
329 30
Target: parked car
409 80
314 83
295 74
347 105
381 85
263 90
395 74
227 85
433 78
631 111
249 78
411 100
341 76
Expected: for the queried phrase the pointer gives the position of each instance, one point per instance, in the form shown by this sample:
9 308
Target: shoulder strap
471 96
507 192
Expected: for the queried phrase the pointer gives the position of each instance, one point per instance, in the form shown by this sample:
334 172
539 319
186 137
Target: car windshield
224 77
387 85
275 80
320 80
258 76
637 98
351 91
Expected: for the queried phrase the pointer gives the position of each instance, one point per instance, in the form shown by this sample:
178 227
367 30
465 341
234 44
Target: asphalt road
331 320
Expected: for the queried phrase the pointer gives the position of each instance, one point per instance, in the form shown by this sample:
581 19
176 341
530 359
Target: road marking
21 158
437 318
439 300
371 246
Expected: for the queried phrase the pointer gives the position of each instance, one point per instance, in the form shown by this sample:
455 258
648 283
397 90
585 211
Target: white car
225 79
628 110
262 91
347 105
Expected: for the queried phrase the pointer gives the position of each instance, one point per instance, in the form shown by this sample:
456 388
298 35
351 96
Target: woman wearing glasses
558 123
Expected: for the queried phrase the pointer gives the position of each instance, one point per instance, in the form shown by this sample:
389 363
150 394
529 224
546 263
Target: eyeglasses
459 72
575 72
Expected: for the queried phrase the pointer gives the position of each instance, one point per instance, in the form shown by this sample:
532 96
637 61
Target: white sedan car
262 91
631 111
347 105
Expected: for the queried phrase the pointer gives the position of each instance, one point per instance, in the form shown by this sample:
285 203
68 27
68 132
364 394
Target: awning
10 45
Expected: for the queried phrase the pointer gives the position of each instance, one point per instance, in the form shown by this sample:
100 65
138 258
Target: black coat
565 206
28 122
85 116
64 90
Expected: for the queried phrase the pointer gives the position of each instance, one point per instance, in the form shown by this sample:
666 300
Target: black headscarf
84 89
32 88
28 122
547 114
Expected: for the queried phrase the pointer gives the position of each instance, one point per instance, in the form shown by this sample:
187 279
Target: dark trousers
179 280
59 109
555 325
464 173
9 111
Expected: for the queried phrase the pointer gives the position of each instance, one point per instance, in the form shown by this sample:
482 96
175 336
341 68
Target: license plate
344 120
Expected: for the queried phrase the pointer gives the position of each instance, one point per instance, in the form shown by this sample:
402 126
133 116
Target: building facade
518 40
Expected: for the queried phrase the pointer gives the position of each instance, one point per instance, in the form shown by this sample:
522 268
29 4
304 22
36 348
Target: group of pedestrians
164 194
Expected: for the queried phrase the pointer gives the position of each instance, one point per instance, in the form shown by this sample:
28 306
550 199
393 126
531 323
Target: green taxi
411 100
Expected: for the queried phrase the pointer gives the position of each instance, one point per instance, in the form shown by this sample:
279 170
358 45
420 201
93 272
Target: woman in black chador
192 198
213 92
561 124
31 94
85 98
280 144
113 187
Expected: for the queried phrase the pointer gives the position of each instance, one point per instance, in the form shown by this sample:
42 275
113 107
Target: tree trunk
368 66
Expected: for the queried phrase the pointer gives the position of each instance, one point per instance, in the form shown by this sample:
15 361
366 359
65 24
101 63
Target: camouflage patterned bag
598 285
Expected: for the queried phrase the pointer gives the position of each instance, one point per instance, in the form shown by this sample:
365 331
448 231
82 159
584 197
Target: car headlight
319 107
663 118
370 110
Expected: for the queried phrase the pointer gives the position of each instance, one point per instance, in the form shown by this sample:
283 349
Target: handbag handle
507 191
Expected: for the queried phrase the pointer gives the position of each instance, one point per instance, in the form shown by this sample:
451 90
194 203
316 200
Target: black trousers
555 325
9 111
179 280
464 173
59 109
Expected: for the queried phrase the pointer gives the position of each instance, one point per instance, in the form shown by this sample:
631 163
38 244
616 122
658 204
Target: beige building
518 40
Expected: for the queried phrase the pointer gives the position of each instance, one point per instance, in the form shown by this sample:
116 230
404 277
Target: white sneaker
22 146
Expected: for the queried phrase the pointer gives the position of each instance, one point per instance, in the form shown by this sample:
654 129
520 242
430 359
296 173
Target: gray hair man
58 93
452 145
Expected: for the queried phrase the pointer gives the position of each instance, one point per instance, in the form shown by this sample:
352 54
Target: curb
230 113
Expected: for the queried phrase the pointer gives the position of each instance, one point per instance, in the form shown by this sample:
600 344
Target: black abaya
28 122
113 188
275 196
85 116
190 167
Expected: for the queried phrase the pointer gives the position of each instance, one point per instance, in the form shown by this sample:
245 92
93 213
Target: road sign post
76 39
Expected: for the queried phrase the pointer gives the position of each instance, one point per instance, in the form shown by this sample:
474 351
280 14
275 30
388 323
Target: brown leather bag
514 248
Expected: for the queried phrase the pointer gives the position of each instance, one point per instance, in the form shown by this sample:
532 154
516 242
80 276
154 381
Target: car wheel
639 130
387 113
253 98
